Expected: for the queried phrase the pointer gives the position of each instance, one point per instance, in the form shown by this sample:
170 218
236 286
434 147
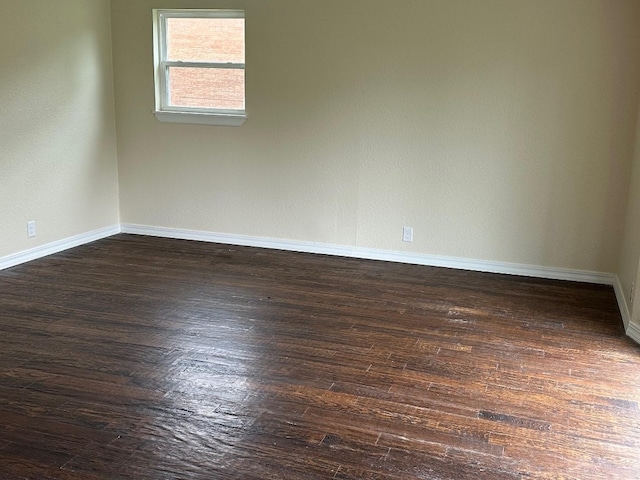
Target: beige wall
498 129
57 132
628 270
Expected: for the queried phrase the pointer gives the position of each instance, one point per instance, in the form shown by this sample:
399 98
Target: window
199 66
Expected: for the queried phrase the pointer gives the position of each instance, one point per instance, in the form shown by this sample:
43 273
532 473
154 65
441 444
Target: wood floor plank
136 357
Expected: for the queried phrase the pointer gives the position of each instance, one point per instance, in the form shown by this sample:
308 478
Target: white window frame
168 113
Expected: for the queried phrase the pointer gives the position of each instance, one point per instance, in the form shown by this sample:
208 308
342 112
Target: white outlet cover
31 229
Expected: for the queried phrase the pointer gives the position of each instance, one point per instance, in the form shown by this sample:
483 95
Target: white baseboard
58 246
622 302
375 254
633 331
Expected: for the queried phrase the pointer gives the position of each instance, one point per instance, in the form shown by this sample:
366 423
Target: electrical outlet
31 229
407 234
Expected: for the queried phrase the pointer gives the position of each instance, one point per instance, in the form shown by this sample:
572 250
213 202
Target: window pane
206 88
217 40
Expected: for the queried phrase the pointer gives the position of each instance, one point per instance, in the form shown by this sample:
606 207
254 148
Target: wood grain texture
135 358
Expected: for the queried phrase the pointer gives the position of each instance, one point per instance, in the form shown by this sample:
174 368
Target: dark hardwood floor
148 358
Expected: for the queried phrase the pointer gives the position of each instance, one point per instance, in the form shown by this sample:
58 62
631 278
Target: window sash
163 65
173 63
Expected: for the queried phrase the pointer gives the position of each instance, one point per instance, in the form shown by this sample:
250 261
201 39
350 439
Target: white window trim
163 111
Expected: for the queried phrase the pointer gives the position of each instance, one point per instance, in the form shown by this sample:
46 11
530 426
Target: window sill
228 120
